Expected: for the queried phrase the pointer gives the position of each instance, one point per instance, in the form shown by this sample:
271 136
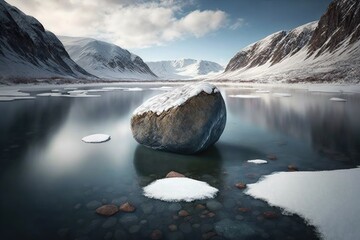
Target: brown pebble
156 235
127 207
292 168
211 214
107 210
240 185
270 215
272 156
183 213
244 209
200 206
175 217
205 212
173 227
174 174
208 235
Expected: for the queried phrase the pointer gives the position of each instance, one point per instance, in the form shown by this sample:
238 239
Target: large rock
186 120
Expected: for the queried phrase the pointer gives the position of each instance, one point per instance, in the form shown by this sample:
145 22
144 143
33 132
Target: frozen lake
51 181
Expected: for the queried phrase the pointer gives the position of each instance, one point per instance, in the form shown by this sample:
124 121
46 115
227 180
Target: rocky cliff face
340 22
28 50
327 50
273 48
106 60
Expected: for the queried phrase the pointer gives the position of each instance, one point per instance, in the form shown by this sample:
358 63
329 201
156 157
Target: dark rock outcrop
28 50
186 120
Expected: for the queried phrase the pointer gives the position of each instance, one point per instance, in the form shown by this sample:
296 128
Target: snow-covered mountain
27 50
106 60
185 69
323 51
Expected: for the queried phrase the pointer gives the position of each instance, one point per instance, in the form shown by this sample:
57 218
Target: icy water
51 182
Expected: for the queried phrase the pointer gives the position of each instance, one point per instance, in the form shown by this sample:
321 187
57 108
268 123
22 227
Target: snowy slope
27 50
323 51
185 69
106 60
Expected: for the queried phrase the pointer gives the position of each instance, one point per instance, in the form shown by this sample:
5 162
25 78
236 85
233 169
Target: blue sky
156 30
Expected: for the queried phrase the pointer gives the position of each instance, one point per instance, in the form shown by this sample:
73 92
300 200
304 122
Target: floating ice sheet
96 138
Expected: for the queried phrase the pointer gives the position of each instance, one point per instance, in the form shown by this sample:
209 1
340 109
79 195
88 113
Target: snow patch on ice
328 200
257 161
135 89
335 99
262 91
96 138
179 189
163 102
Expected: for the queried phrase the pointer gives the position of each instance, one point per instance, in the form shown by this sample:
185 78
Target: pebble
208 235
120 234
270 215
207 227
185 228
128 219
292 168
77 206
93 204
244 209
271 156
156 235
147 208
134 229
173 228
144 221
211 214
213 205
110 222
107 210
174 174
240 185
174 207
127 207
183 213
200 206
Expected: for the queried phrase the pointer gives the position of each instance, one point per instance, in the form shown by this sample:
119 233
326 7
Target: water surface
51 182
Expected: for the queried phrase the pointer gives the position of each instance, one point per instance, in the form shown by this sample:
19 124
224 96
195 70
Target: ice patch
337 99
164 88
163 102
179 189
13 93
329 200
262 91
96 138
244 96
9 99
113 88
136 89
282 94
257 161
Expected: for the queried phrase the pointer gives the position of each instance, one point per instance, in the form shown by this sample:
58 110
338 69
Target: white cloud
240 22
130 24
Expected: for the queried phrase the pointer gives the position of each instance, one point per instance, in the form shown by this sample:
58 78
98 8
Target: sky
213 30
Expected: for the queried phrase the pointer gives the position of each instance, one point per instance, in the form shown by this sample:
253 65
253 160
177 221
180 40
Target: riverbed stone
93 204
213 205
127 207
234 229
110 222
107 210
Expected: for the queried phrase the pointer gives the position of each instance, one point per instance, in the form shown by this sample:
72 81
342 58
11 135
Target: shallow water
51 182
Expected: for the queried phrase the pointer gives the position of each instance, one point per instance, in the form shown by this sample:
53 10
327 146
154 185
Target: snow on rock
257 161
244 96
179 189
96 138
163 102
329 200
335 99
